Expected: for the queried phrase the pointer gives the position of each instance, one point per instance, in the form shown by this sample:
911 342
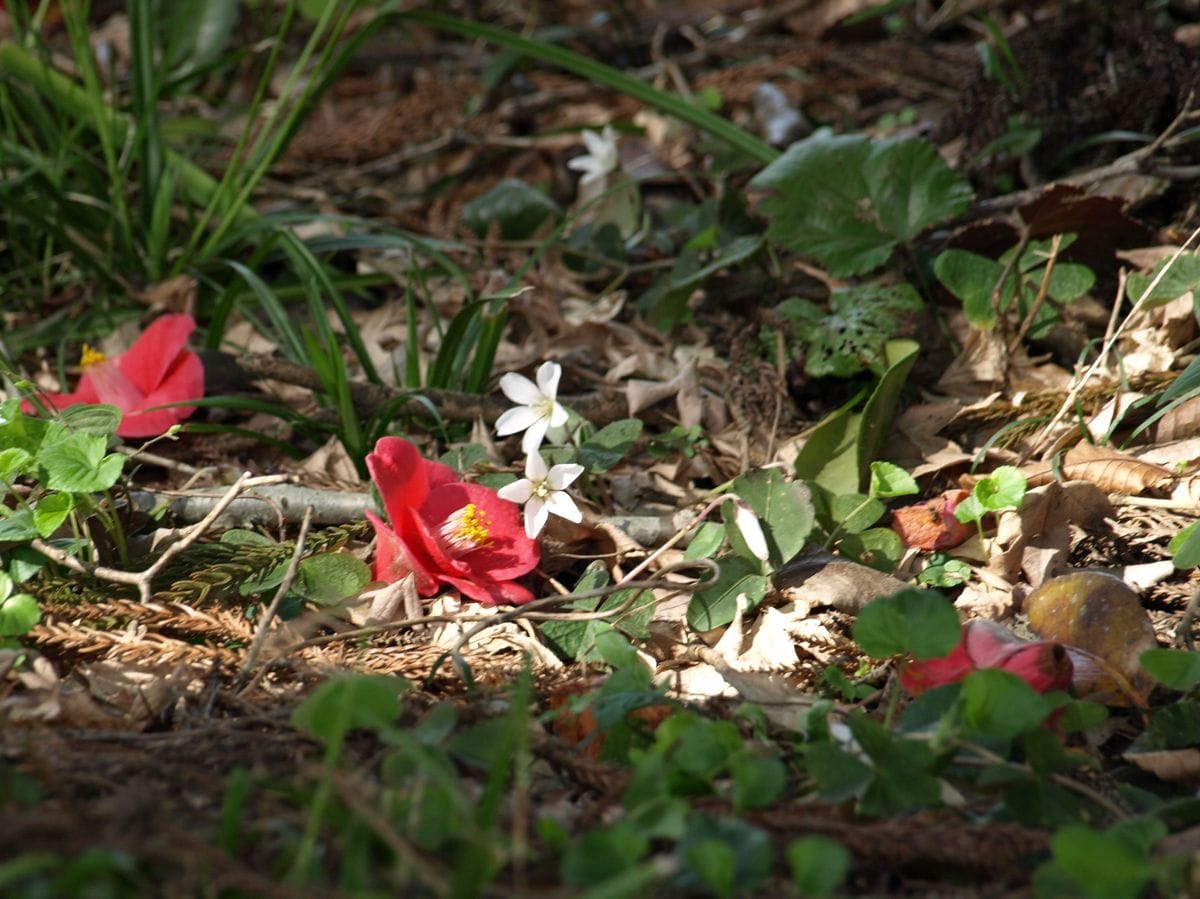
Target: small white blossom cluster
543 490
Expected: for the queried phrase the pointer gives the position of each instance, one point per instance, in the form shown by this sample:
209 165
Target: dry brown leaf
979 369
176 294
819 578
1171 765
1113 471
1036 538
1178 423
781 698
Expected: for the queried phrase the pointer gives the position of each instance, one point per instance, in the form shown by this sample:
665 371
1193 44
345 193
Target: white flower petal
536 515
548 374
561 504
520 389
517 492
516 419
534 436
560 476
595 142
585 164
558 416
535 467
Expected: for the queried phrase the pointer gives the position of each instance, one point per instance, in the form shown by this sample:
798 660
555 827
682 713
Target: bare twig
598 408
1043 291
142 579
1079 383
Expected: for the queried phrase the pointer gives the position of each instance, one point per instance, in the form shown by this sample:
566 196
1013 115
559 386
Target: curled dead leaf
1111 470
1099 614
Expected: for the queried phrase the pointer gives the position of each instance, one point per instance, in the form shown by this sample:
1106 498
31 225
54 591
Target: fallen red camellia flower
931 525
156 370
1044 665
445 531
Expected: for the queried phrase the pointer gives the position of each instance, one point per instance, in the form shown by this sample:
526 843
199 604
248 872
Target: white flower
601 157
538 410
543 493
751 530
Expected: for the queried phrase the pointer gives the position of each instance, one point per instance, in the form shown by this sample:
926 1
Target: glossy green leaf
602 853
973 279
1182 275
14 462
999 704
714 606
18 613
855 512
97 419
1185 546
920 622
1173 668
516 208
331 577
76 462
608 446
51 511
850 336
888 480
848 201
784 509
758 781
1102 864
840 450
350 701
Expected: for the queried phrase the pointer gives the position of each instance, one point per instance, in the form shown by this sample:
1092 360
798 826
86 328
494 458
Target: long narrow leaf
603 74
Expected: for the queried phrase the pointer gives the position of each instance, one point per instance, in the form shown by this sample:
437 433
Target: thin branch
142 579
599 408
1044 435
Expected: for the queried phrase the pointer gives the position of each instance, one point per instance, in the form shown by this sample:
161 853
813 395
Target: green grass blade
606 75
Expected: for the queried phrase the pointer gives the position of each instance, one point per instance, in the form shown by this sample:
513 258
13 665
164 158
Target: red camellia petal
400 474
394 560
157 370
446 531
1044 665
147 362
184 381
921 675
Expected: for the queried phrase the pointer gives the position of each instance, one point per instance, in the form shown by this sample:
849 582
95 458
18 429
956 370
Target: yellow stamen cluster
91 356
467 529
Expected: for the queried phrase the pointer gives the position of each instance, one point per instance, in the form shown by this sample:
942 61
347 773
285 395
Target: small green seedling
1003 489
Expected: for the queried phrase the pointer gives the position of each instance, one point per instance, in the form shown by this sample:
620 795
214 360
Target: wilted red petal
184 381
988 643
931 525
917 676
147 361
1043 665
490 592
